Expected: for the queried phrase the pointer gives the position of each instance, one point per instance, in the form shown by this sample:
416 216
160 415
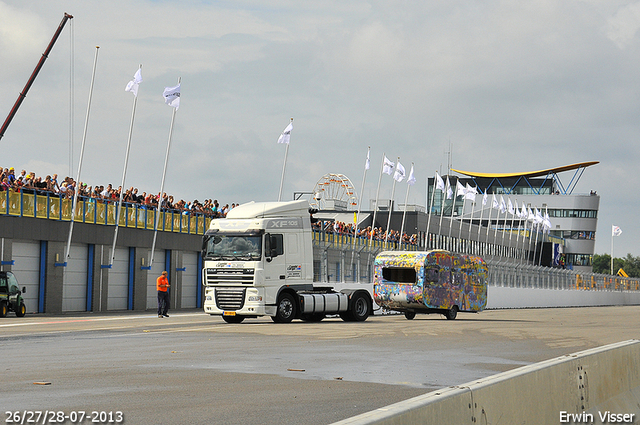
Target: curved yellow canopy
539 173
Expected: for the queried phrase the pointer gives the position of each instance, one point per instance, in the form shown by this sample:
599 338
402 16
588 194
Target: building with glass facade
573 216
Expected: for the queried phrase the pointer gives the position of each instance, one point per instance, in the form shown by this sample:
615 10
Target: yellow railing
346 241
95 211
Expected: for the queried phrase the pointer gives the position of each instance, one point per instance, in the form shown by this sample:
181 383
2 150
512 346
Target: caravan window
399 275
431 274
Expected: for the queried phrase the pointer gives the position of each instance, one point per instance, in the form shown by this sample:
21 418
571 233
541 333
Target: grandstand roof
528 174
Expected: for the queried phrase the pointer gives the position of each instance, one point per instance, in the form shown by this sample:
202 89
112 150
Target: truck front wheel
21 310
3 309
286 309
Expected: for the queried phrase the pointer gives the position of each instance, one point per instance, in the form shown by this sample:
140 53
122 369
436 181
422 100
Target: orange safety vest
162 283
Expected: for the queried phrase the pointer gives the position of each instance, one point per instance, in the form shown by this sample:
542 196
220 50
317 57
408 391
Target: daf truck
258 261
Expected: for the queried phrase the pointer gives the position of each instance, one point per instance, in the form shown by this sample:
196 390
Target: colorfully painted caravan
430 282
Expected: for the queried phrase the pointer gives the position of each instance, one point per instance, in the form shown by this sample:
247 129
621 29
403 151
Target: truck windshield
233 247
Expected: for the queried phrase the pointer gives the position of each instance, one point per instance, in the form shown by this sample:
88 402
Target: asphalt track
195 369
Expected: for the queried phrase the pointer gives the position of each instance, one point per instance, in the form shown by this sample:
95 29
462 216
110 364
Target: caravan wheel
452 313
410 315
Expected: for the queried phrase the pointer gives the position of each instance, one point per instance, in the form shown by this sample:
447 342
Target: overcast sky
513 86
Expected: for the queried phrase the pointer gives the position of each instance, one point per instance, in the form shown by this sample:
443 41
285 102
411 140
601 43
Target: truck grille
226 276
229 299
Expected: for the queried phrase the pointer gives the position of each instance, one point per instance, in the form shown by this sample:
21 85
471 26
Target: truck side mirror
274 246
205 240
270 246
24 289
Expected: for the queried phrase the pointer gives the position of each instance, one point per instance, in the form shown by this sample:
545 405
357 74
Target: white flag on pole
460 189
286 134
439 182
546 222
510 207
470 192
484 198
530 216
538 217
399 173
449 190
133 84
367 163
387 166
411 180
172 96
494 202
503 206
615 230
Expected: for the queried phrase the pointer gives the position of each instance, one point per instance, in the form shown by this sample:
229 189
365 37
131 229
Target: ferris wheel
333 187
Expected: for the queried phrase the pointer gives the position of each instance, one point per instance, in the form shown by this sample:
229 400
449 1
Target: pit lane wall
601 385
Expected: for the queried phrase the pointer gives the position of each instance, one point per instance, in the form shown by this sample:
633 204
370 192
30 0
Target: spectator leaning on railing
32 184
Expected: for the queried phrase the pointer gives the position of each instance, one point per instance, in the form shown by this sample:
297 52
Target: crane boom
34 74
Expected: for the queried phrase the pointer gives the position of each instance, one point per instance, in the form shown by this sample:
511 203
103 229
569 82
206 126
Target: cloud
514 86
623 26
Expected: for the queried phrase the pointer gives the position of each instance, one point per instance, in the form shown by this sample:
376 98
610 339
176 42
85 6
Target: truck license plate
229 313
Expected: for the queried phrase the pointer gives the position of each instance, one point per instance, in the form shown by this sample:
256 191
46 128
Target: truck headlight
254 298
209 298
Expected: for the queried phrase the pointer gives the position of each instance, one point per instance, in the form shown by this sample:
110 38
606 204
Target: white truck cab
258 261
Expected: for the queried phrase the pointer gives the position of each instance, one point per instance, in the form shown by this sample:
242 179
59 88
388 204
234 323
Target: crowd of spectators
30 183
375 233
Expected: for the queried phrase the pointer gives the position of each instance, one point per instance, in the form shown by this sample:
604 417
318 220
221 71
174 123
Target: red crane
34 74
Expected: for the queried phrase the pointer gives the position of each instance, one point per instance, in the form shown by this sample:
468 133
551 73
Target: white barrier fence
600 385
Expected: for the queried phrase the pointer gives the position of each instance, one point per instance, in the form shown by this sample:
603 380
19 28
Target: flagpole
161 196
481 214
355 230
430 207
364 177
453 207
444 198
511 228
404 214
464 203
284 165
518 233
393 190
612 250
495 233
505 222
541 243
375 211
535 244
84 139
524 241
473 210
124 176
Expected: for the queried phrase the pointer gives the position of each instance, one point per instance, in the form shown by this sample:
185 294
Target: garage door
74 287
189 279
118 294
26 267
156 270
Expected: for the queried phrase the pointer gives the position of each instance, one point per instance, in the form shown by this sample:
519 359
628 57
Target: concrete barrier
600 386
505 297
